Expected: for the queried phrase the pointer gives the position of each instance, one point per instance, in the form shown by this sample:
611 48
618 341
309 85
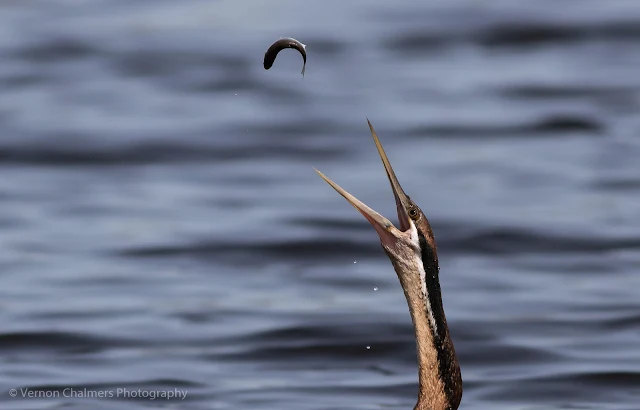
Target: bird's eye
413 214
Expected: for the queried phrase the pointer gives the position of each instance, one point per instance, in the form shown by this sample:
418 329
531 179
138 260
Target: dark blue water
162 228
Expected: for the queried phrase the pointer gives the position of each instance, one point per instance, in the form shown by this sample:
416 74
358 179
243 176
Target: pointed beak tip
370 125
323 176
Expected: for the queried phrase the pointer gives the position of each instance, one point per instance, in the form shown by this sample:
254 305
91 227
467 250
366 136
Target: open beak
388 233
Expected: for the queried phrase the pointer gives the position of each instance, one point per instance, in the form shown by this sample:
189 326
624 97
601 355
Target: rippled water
162 228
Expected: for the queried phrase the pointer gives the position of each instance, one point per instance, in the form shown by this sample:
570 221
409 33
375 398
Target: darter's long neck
440 382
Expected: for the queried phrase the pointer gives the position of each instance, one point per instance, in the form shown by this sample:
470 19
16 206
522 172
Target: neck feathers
440 382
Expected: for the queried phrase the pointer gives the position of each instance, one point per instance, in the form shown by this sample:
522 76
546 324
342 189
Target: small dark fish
275 48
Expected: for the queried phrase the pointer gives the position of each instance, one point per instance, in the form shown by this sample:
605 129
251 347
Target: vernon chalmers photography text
84 393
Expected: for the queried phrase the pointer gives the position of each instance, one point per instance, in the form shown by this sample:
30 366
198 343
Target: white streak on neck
423 277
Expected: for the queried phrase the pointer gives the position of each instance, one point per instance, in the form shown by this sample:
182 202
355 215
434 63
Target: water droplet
375 288
368 347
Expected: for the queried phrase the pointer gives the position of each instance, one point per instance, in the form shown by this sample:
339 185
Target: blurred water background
162 227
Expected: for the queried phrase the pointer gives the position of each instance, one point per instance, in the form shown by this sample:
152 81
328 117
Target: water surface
162 228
